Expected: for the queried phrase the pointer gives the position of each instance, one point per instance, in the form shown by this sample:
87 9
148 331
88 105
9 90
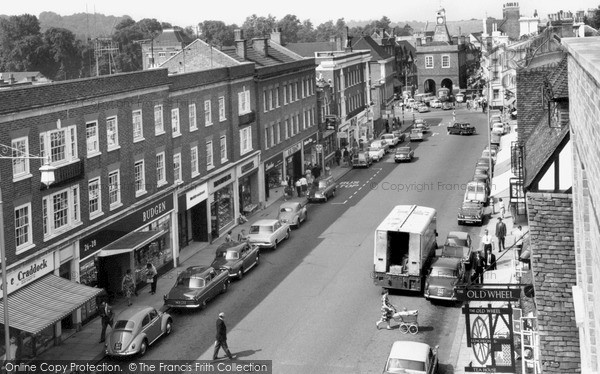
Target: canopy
130 242
45 302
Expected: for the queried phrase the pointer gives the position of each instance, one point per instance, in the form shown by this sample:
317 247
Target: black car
196 286
236 257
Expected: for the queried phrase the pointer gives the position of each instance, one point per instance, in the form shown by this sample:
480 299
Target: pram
406 319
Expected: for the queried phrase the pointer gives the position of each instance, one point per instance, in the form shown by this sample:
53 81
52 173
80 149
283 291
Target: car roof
231 246
446 262
201 270
289 204
134 312
458 234
410 350
403 149
265 222
477 182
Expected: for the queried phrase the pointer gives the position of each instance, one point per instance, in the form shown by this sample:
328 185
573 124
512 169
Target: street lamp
47 178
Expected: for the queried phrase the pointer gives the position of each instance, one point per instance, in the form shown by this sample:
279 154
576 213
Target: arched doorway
429 86
447 83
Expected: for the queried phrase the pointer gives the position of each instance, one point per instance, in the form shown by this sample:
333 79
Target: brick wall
584 112
437 73
553 266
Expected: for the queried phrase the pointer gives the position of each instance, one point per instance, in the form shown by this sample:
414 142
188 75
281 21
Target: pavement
84 345
508 266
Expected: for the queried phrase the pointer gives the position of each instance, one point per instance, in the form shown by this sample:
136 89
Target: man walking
106 315
221 337
500 234
490 261
478 268
486 241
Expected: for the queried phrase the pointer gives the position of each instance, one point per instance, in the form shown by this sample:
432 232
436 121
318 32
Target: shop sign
488 294
310 140
220 181
120 228
196 195
274 162
248 166
290 151
29 272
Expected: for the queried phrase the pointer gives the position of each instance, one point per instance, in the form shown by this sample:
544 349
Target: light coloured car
477 191
376 153
498 128
410 103
390 139
420 123
471 212
416 135
460 240
412 357
435 103
423 109
404 154
493 155
135 328
268 233
460 97
293 212
381 144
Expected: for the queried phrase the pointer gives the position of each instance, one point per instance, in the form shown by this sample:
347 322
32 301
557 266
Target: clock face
440 20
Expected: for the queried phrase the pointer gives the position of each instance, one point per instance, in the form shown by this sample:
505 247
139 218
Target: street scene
283 196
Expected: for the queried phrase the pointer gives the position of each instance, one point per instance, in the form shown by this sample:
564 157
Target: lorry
461 129
405 243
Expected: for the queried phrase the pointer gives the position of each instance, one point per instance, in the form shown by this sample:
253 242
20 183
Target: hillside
83 25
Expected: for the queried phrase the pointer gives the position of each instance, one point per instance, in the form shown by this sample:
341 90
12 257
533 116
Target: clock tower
441 33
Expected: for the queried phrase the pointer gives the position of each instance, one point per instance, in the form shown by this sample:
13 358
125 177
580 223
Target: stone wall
553 265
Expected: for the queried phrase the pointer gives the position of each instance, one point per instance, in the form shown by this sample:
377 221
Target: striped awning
45 302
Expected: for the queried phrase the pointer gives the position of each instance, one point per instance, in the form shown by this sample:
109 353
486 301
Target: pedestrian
221 341
228 237
309 177
338 156
500 234
151 277
242 236
303 185
518 233
479 266
316 171
346 156
128 286
486 240
12 349
490 260
106 316
387 309
501 208
298 185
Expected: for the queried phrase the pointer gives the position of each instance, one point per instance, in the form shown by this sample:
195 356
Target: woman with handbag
151 277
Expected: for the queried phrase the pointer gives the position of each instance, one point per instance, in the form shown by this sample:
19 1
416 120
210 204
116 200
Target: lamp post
47 178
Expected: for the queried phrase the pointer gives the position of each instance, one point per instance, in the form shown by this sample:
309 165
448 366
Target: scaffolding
105 48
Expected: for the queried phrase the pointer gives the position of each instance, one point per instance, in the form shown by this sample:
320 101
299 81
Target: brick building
584 111
123 145
159 49
441 60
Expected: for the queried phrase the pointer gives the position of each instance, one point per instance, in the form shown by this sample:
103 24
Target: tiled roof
377 51
172 37
554 274
529 100
273 57
541 148
309 49
559 79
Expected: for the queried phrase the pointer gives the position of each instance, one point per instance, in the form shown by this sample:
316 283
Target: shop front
140 238
310 152
293 161
247 174
193 215
329 145
273 174
342 135
39 301
222 203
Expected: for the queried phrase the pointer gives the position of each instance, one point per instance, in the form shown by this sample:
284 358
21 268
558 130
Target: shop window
20 147
222 208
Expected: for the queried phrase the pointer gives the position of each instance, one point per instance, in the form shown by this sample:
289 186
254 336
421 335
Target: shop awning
45 302
130 243
328 133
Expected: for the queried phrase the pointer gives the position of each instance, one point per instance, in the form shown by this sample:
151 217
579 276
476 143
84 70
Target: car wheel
275 244
203 305
325 198
225 287
257 259
169 327
333 193
240 273
143 347
287 235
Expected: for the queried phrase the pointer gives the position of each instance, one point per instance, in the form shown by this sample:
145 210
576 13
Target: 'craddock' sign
29 272
487 294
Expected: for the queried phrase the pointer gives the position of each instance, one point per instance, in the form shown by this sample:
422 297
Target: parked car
423 109
236 258
400 135
390 139
412 357
470 212
416 135
485 161
376 153
477 191
420 123
498 128
460 97
444 274
361 159
293 212
483 176
268 233
435 103
135 328
410 103
196 286
461 129
404 154
325 189
381 144
460 240
447 105
487 154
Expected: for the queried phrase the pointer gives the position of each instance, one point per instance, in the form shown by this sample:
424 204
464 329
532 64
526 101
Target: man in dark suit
490 260
106 315
221 340
478 267
500 234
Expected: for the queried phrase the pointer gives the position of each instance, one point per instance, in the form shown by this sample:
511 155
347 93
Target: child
501 208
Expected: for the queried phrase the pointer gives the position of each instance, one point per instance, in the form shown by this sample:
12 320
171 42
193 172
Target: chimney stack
454 40
428 39
240 43
276 35
261 45
419 42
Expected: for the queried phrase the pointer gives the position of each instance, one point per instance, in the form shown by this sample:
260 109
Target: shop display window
222 208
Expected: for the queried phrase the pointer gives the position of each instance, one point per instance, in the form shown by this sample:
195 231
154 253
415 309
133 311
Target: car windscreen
232 255
403 150
191 282
255 229
124 324
396 364
456 242
475 188
443 272
286 209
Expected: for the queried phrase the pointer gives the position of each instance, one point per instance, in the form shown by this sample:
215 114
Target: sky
186 13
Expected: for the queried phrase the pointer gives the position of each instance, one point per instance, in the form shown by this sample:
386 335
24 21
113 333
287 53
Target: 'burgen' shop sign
118 229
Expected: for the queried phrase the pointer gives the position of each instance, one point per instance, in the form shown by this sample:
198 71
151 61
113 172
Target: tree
217 33
258 27
20 43
383 23
290 26
307 32
407 30
594 20
63 53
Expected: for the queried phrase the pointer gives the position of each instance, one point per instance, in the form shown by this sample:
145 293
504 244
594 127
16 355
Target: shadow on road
246 353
